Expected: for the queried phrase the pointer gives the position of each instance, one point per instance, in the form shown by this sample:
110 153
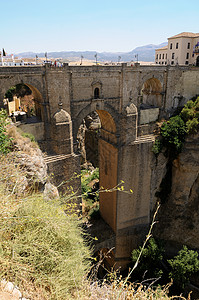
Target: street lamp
81 59
96 58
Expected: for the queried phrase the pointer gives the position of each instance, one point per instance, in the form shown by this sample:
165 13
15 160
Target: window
173 54
172 62
157 56
166 55
171 46
176 45
162 63
186 62
188 46
160 56
193 55
187 56
163 56
96 93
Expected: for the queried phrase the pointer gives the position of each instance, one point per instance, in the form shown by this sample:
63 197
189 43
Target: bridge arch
8 81
107 115
107 158
34 102
151 92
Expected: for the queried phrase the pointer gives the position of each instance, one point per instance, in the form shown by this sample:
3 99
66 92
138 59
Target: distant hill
145 53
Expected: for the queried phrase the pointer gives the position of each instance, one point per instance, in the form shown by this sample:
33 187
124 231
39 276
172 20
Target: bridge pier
125 152
64 164
128 160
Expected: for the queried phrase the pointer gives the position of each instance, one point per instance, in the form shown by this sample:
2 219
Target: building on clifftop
182 49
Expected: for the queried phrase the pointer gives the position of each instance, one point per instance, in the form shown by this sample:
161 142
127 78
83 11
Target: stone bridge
128 101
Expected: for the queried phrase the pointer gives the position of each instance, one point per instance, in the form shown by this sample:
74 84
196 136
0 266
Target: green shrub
192 126
157 147
183 266
11 92
173 133
190 104
95 174
151 258
28 135
5 141
86 178
187 113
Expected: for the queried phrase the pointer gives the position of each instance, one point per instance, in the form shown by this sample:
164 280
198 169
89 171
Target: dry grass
42 246
13 181
111 291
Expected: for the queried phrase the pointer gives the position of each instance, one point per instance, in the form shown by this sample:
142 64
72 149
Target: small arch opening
152 92
23 103
96 93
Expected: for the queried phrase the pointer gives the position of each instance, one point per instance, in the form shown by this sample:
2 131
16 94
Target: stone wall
36 129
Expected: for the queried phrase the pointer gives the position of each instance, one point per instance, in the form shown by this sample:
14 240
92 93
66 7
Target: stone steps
150 138
55 157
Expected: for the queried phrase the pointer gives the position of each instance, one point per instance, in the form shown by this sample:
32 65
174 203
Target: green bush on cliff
173 134
5 141
150 262
190 115
174 131
183 265
179 269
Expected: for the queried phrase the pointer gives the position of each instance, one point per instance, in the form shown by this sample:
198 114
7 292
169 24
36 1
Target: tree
183 266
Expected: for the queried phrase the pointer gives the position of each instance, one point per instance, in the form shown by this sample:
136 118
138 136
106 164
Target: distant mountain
145 53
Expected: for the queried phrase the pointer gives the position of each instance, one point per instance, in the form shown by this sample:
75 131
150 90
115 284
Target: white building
182 49
10 61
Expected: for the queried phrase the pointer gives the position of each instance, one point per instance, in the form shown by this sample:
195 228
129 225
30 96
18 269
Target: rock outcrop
179 215
29 160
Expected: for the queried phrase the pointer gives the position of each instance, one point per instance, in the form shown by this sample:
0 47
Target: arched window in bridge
96 93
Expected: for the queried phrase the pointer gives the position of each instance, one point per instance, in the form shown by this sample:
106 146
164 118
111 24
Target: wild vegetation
172 138
174 131
5 141
43 248
154 265
90 193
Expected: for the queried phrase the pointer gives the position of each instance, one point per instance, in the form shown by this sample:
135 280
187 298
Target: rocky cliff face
88 139
28 166
179 215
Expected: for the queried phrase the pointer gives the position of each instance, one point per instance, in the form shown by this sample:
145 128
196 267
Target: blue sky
106 25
